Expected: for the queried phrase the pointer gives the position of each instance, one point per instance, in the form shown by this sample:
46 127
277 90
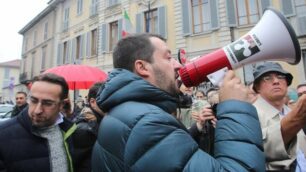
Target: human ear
141 68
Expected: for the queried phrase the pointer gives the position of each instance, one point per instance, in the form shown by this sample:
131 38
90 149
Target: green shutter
139 22
104 38
88 44
186 17
214 14
119 29
59 54
231 13
73 51
162 25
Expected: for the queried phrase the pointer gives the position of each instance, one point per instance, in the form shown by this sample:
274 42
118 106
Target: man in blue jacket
141 133
39 138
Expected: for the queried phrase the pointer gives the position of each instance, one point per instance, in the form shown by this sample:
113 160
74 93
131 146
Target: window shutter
162 17
301 25
139 22
73 51
231 13
59 54
69 51
88 44
265 4
287 8
81 51
119 29
104 38
214 17
186 17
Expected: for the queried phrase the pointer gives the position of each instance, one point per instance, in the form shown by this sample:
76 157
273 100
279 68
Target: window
93 42
200 16
247 11
80 7
46 31
6 80
34 38
6 73
66 19
113 34
43 57
151 21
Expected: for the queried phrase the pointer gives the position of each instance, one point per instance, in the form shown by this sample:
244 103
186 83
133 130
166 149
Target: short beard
162 83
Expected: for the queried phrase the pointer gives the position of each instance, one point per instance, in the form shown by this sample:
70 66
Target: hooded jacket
140 134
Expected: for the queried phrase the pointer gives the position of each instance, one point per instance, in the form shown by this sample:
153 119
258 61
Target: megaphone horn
271 39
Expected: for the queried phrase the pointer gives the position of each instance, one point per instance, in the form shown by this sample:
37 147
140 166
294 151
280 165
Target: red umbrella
79 76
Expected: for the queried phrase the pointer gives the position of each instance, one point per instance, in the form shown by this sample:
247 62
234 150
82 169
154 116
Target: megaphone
271 39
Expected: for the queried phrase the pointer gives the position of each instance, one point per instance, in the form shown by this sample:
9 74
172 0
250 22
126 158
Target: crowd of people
143 119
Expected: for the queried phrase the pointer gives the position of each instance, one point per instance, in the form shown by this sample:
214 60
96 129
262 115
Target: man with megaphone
141 132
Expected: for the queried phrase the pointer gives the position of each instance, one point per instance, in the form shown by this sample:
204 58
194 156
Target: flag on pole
126 25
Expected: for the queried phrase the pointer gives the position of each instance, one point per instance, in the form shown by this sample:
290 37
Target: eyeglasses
270 78
47 104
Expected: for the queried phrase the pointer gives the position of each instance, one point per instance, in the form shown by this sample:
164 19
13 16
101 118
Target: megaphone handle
216 78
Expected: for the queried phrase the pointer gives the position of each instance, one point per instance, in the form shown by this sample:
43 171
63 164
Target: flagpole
149 17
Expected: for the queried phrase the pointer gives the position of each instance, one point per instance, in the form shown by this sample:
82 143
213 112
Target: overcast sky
14 15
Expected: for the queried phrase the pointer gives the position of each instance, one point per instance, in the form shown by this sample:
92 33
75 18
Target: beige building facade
86 31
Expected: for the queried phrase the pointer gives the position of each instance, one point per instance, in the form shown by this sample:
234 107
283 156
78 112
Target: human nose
177 65
38 108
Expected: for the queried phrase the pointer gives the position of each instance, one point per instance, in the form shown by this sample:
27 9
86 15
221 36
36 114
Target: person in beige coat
280 125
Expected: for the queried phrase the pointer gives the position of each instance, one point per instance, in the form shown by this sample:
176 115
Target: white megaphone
271 39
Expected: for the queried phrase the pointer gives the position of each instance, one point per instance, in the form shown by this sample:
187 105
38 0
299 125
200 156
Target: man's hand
205 115
232 88
294 121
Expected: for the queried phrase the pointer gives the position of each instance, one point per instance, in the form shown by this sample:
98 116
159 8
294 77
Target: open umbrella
79 76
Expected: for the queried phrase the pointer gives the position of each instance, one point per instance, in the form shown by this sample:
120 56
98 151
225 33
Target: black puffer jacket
22 150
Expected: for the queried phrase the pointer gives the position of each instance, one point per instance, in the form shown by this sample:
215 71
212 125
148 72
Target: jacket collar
26 122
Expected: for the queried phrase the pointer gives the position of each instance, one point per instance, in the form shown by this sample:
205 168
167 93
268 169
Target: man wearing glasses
39 139
301 89
280 125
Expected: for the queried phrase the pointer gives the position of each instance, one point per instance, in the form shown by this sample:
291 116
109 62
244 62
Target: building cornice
46 11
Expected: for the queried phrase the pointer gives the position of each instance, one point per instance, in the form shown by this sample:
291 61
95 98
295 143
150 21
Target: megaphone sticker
243 48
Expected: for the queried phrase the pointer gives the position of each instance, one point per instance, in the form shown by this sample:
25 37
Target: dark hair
132 48
301 85
22 92
92 93
54 79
